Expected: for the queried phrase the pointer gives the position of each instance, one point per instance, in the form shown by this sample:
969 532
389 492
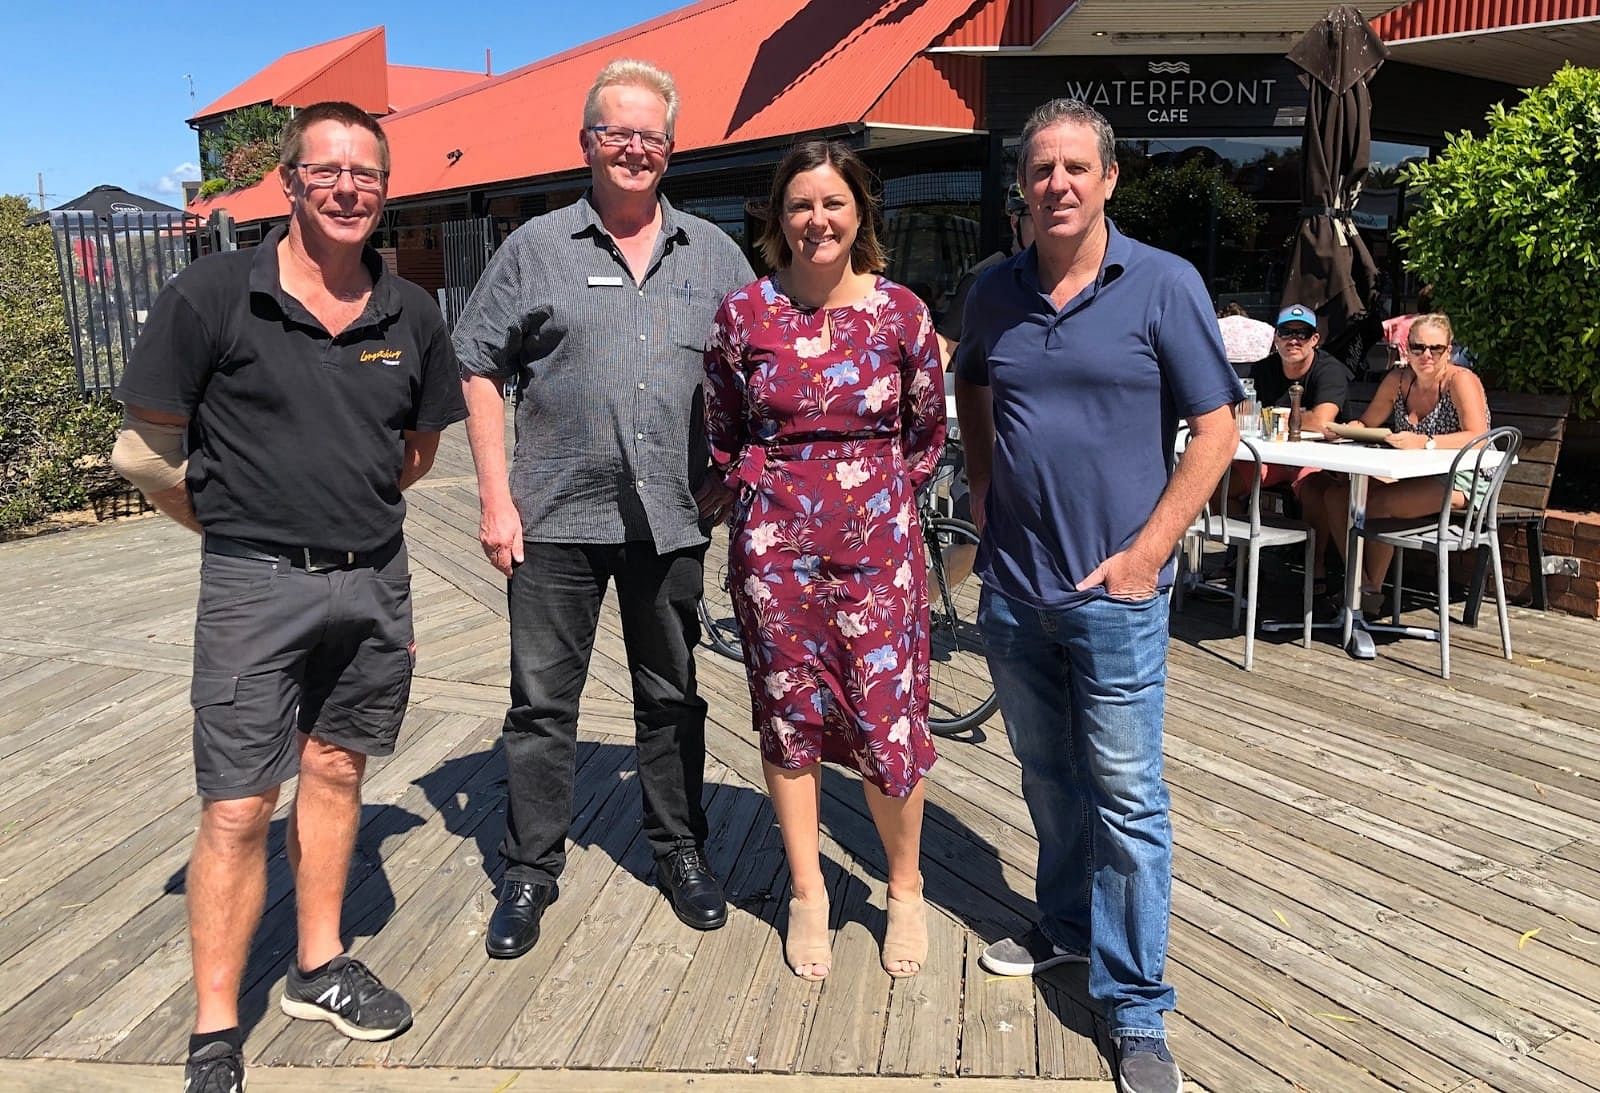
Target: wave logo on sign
1169 68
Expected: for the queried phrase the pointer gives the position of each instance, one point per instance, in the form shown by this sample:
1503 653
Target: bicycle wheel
718 622
960 692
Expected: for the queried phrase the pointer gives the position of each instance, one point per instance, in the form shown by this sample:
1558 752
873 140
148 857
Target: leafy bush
1506 234
54 445
212 186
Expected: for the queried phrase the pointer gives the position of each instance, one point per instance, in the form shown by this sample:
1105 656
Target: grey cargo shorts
279 650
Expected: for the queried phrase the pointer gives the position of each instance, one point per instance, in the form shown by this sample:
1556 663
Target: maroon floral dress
826 422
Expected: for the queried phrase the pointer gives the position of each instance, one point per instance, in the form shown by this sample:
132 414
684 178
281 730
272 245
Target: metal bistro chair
1253 532
1472 528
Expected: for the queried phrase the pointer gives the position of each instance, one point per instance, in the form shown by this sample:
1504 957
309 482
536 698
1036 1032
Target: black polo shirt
295 435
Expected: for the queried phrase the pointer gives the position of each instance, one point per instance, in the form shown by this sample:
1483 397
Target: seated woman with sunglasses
1430 403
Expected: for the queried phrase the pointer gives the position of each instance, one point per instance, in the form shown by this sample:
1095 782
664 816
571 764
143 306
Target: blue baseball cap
1297 313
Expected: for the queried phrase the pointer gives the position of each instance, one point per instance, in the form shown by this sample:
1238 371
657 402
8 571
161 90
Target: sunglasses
1418 350
1300 335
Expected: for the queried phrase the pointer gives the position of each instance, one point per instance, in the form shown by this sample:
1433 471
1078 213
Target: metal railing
112 268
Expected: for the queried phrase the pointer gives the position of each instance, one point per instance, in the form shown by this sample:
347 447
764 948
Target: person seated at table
1325 383
1430 403
1246 341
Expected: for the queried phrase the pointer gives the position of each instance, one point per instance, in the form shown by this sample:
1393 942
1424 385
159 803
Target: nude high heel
906 936
806 942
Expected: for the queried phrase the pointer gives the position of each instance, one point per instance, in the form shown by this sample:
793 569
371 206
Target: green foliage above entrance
1507 234
245 147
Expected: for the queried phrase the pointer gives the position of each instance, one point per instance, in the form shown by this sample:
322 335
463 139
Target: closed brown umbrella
1331 271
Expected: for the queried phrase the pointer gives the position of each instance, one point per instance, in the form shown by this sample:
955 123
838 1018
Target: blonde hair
626 72
1435 318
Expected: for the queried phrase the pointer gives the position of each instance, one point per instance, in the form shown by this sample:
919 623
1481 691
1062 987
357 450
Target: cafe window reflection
1231 206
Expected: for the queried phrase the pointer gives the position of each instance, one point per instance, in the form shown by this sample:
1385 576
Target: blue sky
96 92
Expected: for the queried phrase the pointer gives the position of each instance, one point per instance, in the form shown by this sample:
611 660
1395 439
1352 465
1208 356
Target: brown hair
866 254
344 113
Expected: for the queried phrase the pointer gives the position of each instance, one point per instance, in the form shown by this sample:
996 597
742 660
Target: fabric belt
753 458
310 559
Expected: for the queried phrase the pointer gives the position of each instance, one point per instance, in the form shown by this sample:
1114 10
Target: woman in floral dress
825 410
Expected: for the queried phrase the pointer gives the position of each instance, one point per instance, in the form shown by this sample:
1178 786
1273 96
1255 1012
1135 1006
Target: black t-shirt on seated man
295 436
1328 381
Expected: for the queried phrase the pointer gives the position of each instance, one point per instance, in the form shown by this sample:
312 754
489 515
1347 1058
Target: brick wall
1576 534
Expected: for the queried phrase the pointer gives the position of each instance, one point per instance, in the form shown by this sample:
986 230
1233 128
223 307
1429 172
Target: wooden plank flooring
1382 880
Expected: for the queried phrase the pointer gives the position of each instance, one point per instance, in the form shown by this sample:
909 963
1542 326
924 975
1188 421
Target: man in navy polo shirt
1078 359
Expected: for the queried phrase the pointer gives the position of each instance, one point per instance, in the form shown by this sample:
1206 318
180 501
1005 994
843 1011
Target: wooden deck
1382 880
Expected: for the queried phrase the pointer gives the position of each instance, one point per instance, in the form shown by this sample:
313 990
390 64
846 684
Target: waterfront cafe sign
1154 93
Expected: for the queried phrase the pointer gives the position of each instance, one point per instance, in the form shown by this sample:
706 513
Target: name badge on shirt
605 282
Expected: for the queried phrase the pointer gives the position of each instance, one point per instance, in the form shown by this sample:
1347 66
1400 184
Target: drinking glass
1248 413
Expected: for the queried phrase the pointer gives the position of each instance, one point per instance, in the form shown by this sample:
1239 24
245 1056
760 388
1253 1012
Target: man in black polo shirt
311 386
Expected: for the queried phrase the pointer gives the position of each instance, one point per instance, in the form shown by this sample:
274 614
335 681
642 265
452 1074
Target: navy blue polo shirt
1087 402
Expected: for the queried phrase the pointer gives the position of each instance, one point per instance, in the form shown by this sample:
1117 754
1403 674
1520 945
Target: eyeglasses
1417 350
620 136
323 176
1296 335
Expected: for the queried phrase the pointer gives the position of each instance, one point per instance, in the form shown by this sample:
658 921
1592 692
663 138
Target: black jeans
555 597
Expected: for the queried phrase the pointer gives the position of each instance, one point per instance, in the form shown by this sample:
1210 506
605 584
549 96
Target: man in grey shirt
600 312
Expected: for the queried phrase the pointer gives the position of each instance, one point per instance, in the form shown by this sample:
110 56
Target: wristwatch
1431 444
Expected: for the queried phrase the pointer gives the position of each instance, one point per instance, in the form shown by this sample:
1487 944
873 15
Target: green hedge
54 444
1507 234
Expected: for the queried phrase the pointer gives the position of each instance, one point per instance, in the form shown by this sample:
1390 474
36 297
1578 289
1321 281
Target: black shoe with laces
348 997
215 1068
687 881
514 926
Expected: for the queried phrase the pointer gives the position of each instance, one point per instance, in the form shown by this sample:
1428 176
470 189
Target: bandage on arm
149 453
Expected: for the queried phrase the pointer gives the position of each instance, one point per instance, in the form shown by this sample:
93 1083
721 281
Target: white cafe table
1362 463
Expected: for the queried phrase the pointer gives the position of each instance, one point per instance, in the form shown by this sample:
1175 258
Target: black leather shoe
514 926
695 894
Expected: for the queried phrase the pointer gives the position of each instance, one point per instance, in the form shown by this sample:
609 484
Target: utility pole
41 191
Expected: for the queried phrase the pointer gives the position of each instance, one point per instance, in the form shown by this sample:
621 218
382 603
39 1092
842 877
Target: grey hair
1078 112
626 72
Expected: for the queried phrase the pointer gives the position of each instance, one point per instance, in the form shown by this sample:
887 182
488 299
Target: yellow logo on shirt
391 357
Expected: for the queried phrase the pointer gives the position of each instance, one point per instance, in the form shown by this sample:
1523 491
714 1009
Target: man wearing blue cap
1297 357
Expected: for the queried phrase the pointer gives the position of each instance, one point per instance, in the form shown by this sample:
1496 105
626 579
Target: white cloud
172 182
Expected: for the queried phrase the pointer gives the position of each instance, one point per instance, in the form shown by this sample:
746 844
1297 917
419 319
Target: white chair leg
1311 563
1399 580
1500 597
1238 587
1444 614
1250 608
1180 575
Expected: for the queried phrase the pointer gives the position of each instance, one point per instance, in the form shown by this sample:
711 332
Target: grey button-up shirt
610 445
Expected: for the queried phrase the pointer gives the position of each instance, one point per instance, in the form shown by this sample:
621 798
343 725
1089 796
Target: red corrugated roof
410 85
1431 18
282 82
746 70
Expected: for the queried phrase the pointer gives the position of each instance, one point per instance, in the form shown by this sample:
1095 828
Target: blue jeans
1083 692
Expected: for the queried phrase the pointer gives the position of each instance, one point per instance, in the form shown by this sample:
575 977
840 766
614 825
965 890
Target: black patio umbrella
105 201
1330 270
